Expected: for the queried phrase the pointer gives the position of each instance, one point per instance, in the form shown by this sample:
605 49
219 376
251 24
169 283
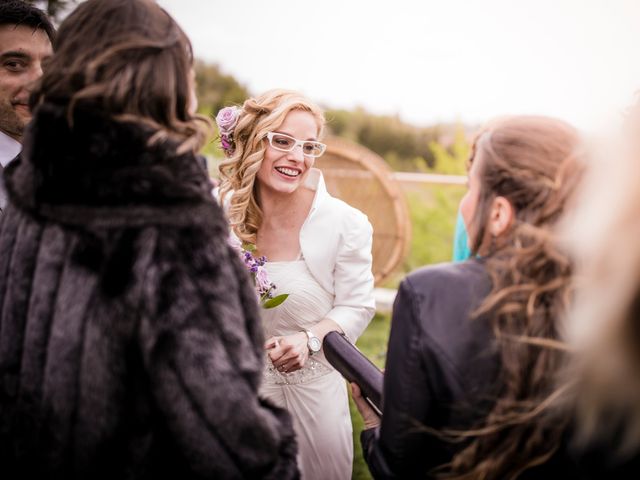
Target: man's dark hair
17 12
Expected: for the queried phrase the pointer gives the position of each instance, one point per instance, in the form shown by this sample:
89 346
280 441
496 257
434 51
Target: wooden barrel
362 178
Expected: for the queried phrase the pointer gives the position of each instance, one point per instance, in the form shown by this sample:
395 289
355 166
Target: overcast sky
426 60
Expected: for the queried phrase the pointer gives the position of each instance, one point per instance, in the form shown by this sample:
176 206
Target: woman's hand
288 353
370 417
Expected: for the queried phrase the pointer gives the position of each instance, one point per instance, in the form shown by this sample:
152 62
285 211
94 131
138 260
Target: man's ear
502 216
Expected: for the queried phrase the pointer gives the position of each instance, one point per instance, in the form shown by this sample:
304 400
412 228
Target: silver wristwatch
313 343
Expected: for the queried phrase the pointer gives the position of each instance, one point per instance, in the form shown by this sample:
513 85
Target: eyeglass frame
297 142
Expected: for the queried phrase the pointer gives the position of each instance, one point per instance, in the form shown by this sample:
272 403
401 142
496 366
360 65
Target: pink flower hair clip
227 119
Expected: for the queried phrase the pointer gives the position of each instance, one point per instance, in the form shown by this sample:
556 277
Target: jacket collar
103 170
315 181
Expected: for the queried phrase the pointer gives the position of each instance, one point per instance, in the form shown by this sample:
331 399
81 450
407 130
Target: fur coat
130 341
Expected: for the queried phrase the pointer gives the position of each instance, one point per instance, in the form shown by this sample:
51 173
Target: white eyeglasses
285 143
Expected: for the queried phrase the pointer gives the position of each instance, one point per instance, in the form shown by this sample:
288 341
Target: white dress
316 395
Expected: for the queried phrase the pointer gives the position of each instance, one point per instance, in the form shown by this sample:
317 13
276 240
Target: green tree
452 160
403 146
216 90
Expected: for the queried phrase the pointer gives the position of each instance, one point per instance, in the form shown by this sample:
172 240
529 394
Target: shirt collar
9 148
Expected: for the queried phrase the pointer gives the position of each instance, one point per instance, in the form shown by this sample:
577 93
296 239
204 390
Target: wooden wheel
362 178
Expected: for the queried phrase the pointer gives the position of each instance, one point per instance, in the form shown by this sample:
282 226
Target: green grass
373 343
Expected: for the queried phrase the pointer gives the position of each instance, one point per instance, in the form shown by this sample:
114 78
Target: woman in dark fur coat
130 345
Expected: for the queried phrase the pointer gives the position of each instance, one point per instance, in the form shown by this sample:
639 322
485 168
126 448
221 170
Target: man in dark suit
26 35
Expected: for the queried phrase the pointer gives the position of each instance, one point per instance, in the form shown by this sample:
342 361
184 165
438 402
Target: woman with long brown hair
474 346
130 339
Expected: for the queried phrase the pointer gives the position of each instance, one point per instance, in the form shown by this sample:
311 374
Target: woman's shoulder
446 276
444 297
341 206
443 301
343 214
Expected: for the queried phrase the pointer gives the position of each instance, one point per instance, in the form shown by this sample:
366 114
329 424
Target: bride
319 253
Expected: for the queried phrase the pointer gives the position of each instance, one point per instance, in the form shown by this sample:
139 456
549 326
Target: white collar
315 182
9 148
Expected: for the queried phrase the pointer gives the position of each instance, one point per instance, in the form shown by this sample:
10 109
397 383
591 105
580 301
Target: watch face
314 344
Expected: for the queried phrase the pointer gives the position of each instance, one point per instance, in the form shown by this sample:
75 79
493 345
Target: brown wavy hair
535 163
258 116
130 60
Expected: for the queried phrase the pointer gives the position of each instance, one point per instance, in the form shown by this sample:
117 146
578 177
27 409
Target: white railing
384 299
411 177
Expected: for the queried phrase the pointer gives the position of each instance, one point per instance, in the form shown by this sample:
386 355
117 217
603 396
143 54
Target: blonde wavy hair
258 116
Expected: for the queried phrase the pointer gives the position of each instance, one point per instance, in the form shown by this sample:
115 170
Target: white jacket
336 241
